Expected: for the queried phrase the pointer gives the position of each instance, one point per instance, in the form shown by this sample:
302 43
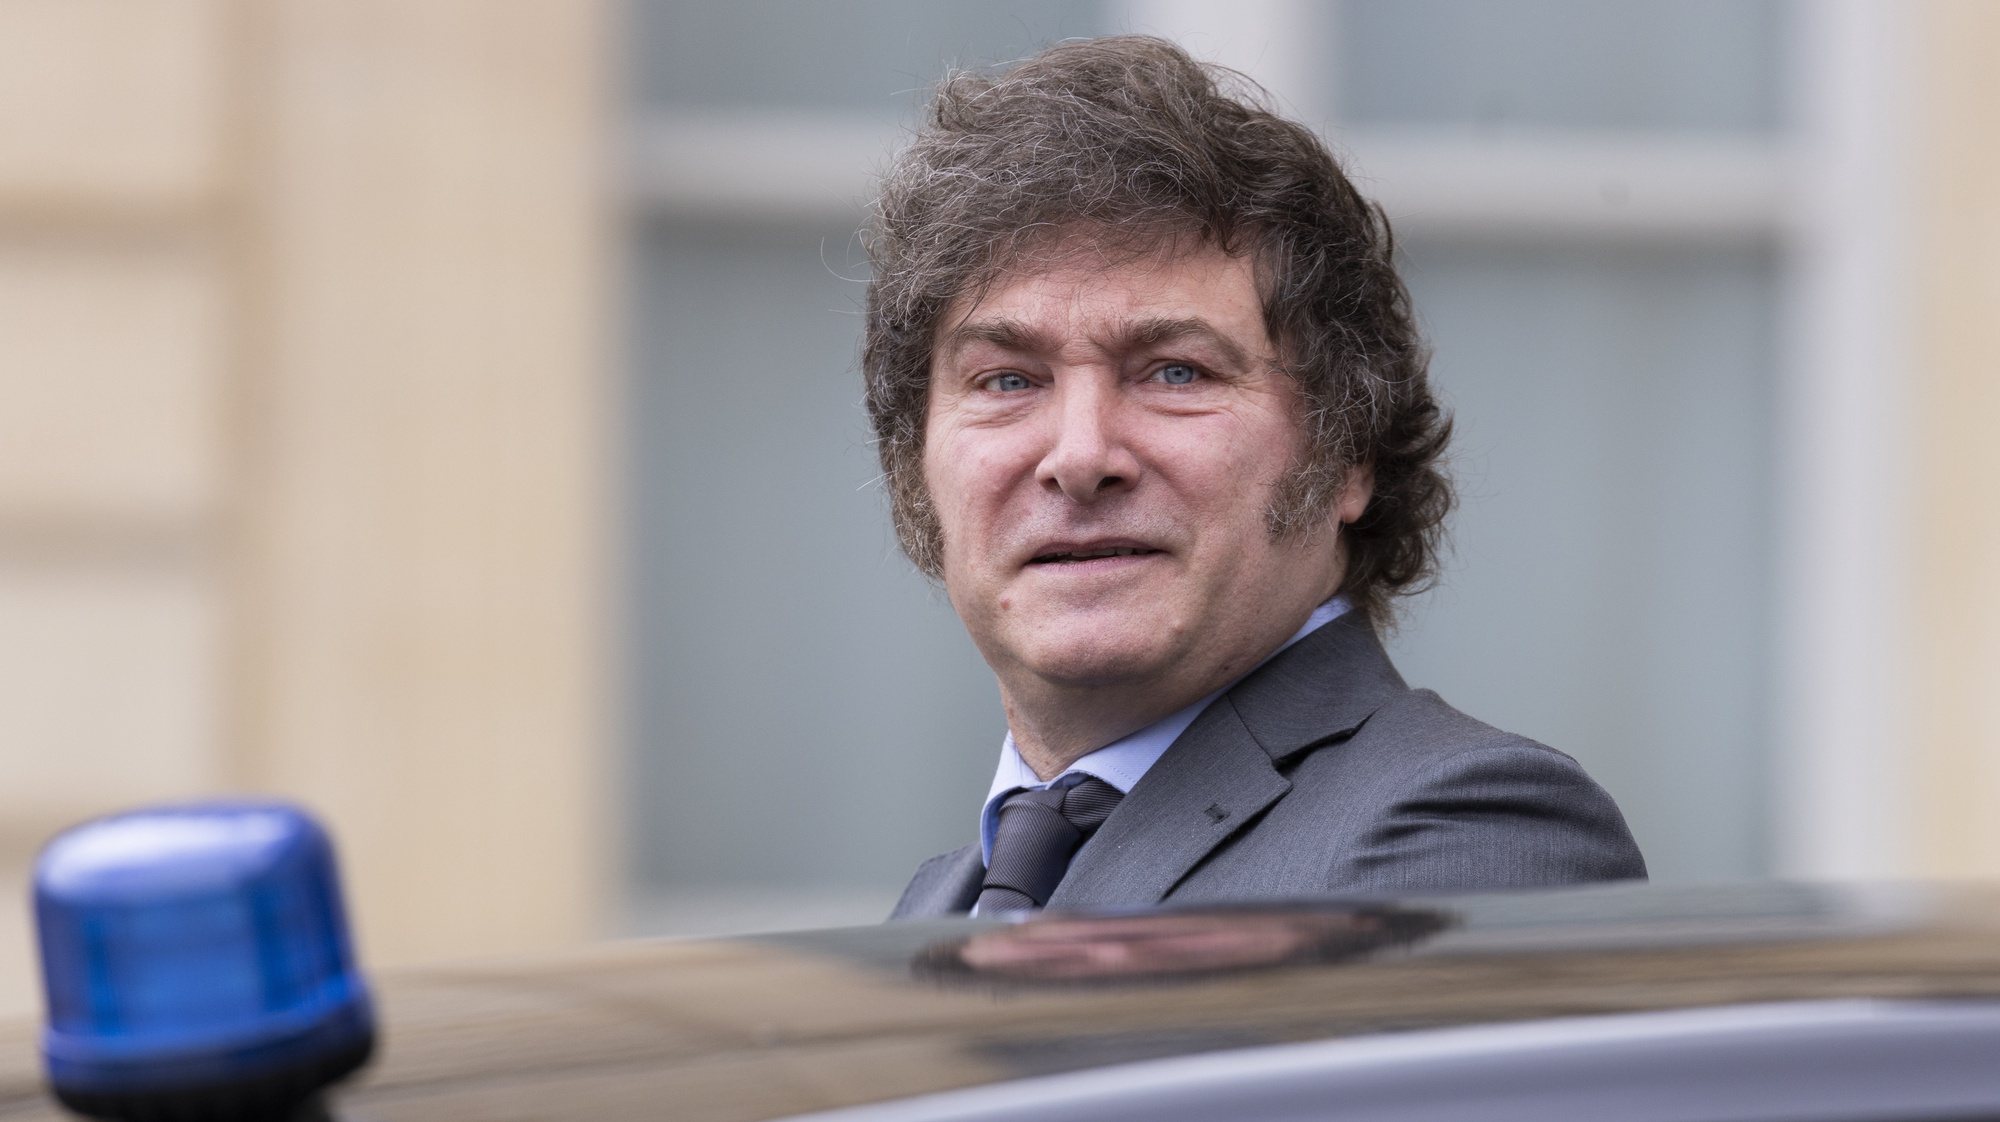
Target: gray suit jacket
1322 773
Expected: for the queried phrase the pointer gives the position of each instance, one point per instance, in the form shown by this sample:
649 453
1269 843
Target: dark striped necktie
1038 833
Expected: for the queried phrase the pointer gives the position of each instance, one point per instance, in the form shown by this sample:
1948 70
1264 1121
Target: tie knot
1088 803
1039 831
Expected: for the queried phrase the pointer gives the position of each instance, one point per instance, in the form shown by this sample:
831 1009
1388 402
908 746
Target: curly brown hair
1128 143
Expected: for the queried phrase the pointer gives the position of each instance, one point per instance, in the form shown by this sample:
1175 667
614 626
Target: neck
1056 723
1051 733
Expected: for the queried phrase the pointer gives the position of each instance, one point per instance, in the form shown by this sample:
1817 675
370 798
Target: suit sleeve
1506 815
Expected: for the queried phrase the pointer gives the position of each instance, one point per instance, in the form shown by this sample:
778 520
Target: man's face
1103 443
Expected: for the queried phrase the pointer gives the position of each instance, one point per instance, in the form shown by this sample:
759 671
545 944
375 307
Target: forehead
1089 288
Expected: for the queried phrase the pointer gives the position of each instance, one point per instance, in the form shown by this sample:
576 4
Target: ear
1355 491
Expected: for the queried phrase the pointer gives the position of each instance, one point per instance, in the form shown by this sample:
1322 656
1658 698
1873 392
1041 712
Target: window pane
807 715
1610 584
799 54
1691 65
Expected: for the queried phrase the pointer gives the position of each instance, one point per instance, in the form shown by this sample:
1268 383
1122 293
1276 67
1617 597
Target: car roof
770 1026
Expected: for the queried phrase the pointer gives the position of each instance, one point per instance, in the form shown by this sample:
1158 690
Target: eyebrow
1164 329
1013 335
1006 334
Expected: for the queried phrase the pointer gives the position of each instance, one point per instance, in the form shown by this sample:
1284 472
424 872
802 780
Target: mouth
1079 554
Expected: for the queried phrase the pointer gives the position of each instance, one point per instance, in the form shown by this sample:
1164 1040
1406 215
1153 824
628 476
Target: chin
1096 660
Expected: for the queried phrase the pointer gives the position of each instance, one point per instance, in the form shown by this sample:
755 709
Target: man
1151 404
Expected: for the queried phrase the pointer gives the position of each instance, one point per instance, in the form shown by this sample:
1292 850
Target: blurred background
445 413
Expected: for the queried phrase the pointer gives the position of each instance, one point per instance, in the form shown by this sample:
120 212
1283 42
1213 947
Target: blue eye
1008 382
1177 374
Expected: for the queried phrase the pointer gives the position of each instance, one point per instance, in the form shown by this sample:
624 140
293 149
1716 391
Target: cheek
1226 461
974 469
949 480
963 499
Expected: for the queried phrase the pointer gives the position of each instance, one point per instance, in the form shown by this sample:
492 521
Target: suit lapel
1319 689
1210 781
1224 770
944 885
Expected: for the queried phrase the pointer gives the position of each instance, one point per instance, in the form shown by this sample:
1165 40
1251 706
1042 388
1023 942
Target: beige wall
303 441
1957 437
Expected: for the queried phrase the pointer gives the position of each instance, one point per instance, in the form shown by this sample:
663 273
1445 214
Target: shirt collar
1124 761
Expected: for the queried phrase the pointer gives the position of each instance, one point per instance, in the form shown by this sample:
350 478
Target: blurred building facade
445 413
302 398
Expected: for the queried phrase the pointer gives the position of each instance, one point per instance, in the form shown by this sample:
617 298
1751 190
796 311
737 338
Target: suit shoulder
1452 802
943 884
1426 732
1425 750
930 866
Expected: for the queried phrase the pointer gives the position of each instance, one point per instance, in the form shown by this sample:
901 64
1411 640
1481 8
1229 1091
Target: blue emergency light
197 964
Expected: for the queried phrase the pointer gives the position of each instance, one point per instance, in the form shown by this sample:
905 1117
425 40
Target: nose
1088 456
